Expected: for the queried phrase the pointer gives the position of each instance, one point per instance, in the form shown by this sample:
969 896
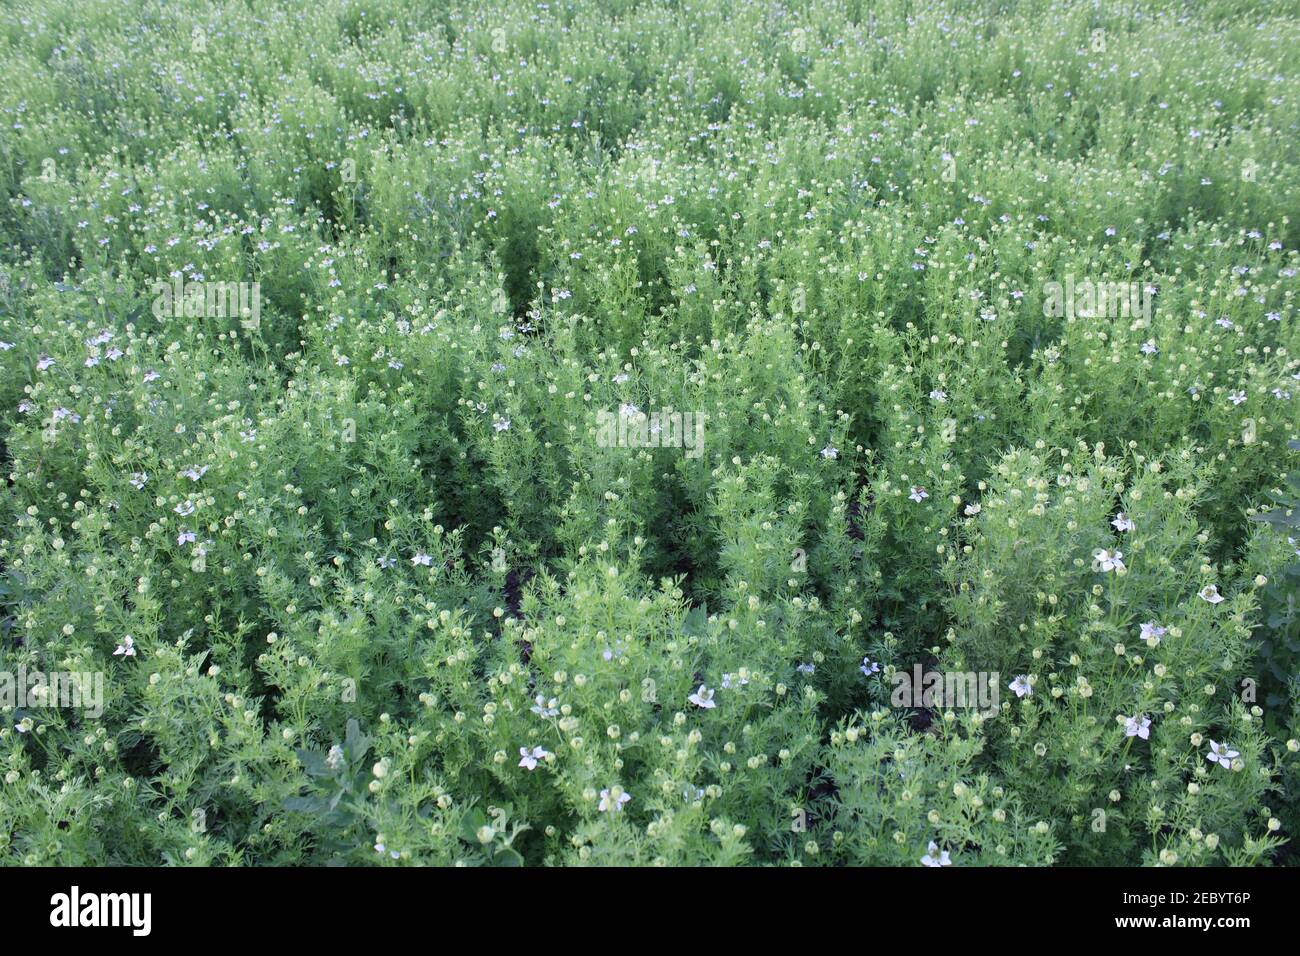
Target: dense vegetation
361 577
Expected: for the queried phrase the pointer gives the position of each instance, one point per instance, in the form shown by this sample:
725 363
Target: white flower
1221 754
126 648
918 493
938 395
830 451
194 474
613 798
807 668
528 758
185 537
1210 593
1021 686
730 680
1151 630
703 697
1103 560
138 479
422 559
502 425
935 857
334 760
1149 347
545 708
184 509
869 666
1123 522
1138 726
972 510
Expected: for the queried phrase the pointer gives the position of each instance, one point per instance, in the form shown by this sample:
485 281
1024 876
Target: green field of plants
649 432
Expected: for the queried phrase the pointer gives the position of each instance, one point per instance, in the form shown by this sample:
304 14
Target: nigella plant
337 791
1279 641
